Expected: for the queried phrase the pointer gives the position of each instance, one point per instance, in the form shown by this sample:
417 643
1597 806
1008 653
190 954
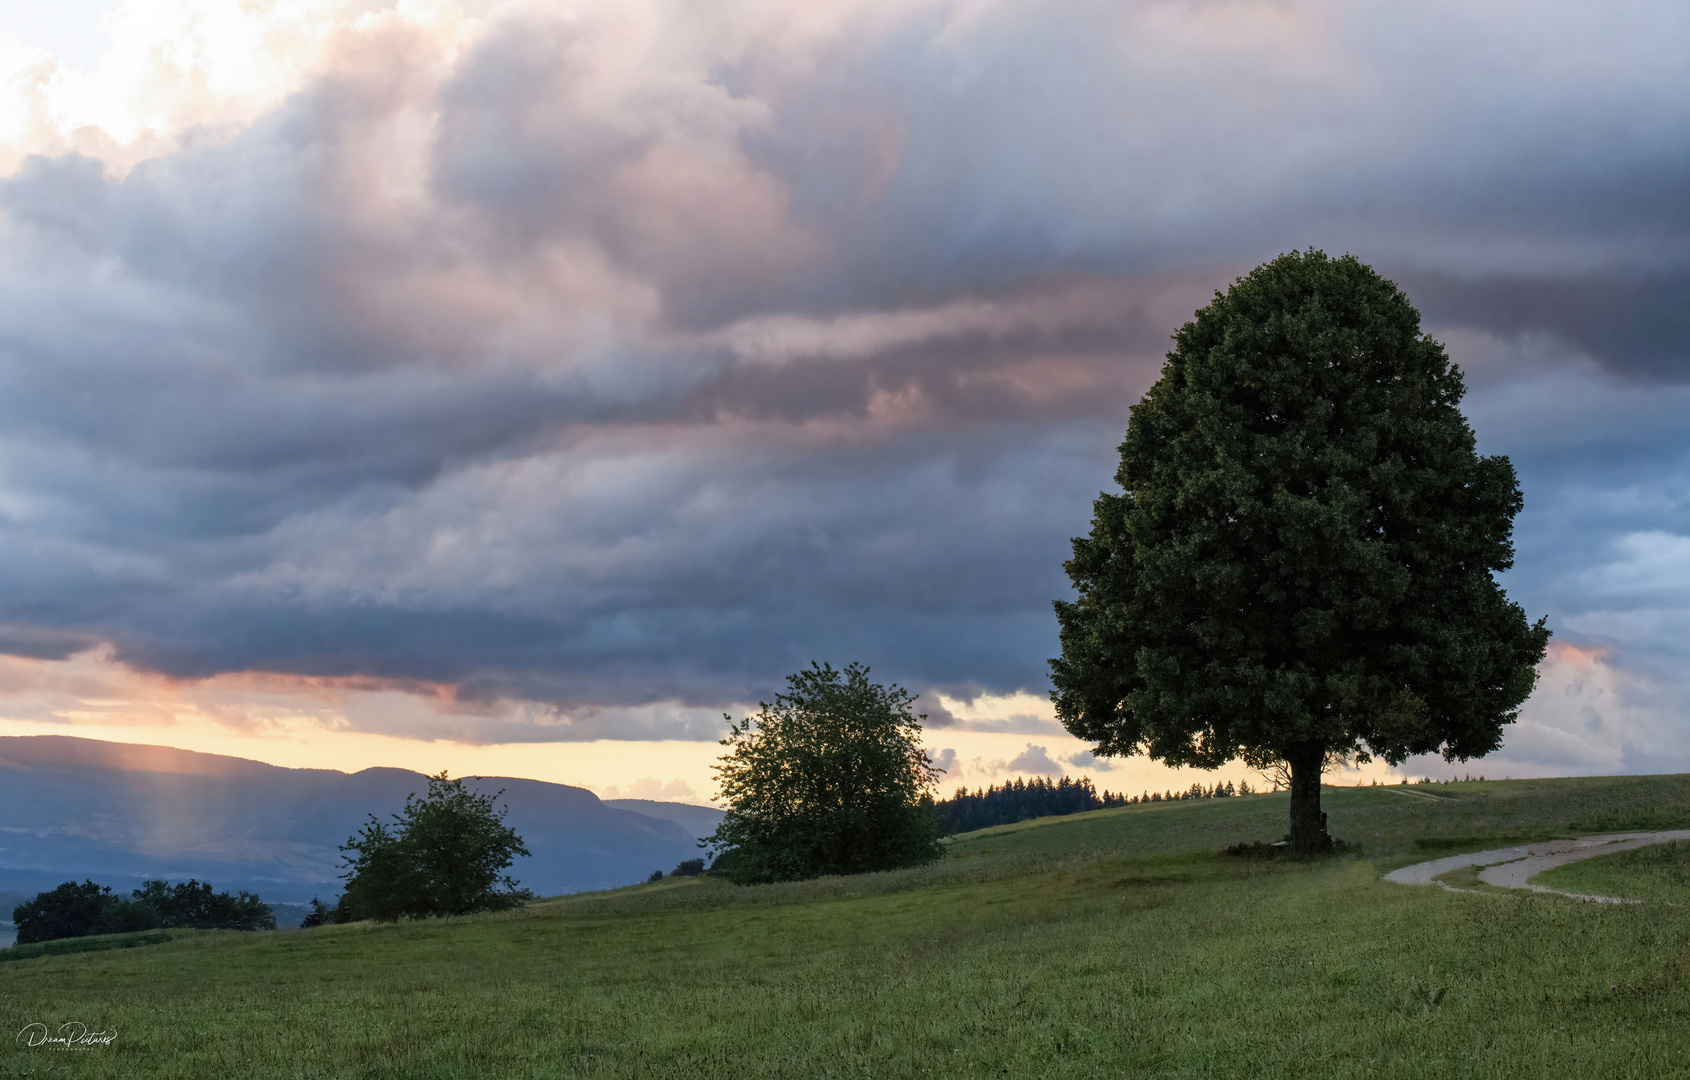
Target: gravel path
1514 867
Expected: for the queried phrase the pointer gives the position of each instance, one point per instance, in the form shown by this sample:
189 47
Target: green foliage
1300 560
383 880
828 779
445 854
322 914
193 904
130 916
73 910
688 868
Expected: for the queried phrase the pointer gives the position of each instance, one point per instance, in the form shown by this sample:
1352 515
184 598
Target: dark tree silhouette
192 903
71 910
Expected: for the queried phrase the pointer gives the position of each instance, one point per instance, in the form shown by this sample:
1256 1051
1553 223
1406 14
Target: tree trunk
1308 824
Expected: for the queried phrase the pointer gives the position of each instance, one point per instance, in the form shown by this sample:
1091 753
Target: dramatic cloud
580 372
1034 759
1087 762
945 761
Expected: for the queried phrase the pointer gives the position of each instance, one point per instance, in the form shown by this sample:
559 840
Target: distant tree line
74 910
1021 800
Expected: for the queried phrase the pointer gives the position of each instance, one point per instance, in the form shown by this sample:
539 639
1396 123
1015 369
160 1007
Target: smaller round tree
828 779
445 854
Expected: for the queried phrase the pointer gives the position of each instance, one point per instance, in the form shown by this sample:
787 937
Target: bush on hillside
828 779
445 854
688 868
322 914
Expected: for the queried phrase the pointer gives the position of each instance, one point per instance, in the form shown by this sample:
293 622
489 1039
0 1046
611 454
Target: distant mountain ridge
72 808
701 821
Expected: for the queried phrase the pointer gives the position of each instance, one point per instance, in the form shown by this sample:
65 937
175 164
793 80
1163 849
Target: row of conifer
1020 800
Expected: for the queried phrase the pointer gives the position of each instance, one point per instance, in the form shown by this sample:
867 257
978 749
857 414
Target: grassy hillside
1659 873
1117 943
1389 823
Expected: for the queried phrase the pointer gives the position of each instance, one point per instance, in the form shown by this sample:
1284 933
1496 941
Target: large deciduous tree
830 778
1301 558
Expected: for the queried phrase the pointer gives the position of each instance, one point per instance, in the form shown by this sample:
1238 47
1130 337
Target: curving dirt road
1514 867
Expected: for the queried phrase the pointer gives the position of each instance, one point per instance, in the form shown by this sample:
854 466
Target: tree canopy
78 910
192 903
829 778
444 854
1301 557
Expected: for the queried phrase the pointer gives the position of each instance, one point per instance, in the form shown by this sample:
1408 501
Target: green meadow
1658 874
1116 943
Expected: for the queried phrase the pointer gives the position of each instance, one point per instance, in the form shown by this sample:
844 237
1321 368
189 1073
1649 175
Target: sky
517 388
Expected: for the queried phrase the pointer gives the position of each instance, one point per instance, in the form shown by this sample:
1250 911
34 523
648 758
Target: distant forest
1020 800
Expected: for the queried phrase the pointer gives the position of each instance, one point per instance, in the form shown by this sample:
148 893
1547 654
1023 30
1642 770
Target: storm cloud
612 362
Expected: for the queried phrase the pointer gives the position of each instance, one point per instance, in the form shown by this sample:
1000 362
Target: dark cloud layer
590 368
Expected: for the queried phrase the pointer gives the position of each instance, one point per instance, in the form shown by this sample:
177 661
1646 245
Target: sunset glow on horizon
514 388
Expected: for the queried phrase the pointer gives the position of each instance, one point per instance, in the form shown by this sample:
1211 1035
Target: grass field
1118 943
1660 873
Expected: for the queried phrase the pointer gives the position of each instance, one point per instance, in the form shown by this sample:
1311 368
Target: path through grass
1116 944
1657 873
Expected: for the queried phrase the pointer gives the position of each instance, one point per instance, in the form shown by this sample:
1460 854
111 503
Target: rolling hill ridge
119 813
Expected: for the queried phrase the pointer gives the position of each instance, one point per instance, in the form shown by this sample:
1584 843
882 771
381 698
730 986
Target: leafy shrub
830 778
445 854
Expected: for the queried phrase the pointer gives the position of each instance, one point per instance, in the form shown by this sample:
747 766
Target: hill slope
700 821
1118 943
